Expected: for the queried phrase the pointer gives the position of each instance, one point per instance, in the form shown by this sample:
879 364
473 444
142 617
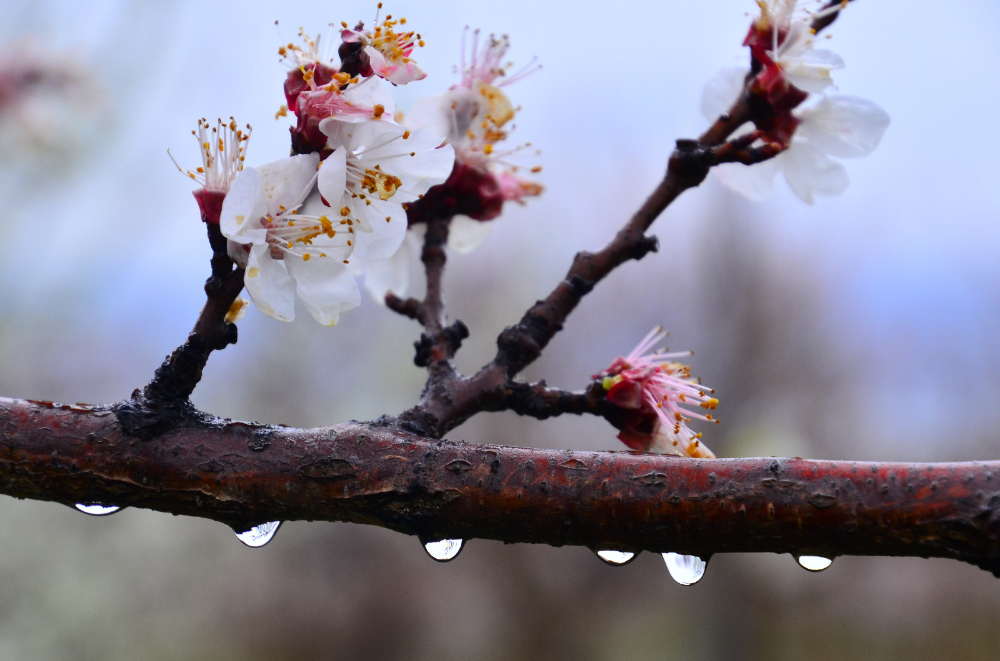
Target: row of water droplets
685 569
689 569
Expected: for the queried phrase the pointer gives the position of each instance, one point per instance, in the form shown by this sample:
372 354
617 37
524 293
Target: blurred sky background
862 327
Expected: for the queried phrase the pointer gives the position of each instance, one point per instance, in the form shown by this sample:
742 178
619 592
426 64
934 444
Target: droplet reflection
616 558
813 562
685 569
444 550
95 509
259 535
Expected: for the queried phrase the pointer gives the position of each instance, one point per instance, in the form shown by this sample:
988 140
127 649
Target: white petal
378 238
287 181
844 126
359 136
392 274
432 113
270 287
325 286
425 165
466 234
755 182
808 170
332 180
243 208
721 91
417 159
811 72
367 94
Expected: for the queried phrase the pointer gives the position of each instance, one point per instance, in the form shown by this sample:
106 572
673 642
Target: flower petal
844 126
287 181
431 112
243 208
755 182
332 179
326 287
383 227
392 274
808 171
811 73
270 287
466 234
721 91
365 95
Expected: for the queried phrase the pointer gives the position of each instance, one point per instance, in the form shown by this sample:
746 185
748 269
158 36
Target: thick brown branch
244 474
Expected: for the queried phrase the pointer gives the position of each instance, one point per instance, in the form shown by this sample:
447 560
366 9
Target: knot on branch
690 163
164 403
447 343
517 344
644 246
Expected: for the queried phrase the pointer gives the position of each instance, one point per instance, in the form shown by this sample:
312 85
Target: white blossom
835 125
376 167
286 252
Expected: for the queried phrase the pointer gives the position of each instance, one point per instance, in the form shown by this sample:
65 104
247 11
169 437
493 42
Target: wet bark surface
244 474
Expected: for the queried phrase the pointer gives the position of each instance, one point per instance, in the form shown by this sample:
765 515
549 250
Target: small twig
164 400
447 404
434 258
409 307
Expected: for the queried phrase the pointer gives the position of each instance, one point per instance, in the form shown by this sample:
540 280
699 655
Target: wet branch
245 474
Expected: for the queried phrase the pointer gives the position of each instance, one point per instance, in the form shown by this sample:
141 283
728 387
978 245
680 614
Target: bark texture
244 474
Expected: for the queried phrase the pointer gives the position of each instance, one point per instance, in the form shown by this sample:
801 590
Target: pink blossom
660 398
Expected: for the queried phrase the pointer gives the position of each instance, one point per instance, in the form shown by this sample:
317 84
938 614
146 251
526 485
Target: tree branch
245 474
164 400
452 401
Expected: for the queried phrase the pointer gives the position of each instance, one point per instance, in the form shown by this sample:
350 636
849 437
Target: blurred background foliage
863 327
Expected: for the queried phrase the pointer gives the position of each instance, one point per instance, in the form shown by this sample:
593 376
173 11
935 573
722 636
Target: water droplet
96 509
685 569
259 535
813 562
616 558
444 550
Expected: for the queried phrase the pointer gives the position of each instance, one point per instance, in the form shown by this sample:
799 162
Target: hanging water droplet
444 550
95 509
813 562
616 558
685 569
259 535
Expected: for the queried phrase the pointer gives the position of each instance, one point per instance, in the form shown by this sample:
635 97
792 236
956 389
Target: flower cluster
297 224
786 85
658 396
474 116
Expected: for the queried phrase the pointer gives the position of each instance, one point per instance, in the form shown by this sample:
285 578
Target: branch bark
245 474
